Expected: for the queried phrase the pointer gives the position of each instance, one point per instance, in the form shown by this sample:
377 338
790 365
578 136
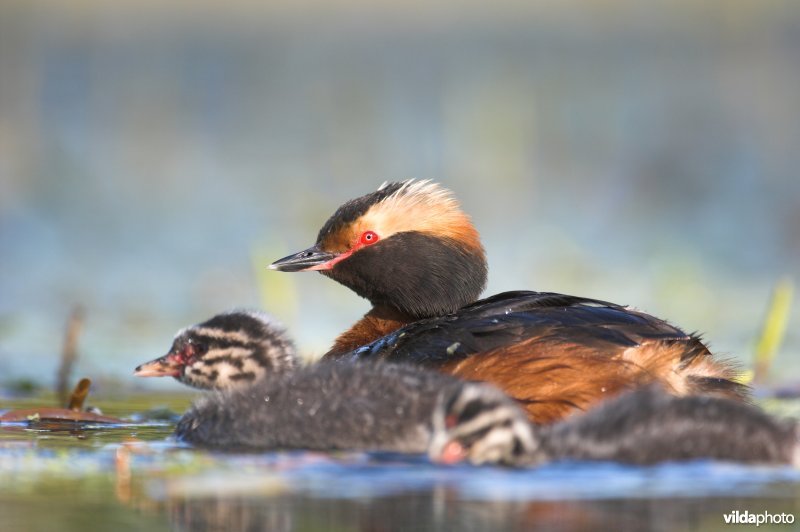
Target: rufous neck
376 323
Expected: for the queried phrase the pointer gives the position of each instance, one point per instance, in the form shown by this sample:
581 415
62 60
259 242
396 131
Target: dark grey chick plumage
642 427
323 407
648 426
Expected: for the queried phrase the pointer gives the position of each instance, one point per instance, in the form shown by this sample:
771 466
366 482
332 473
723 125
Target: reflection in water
311 492
438 509
443 509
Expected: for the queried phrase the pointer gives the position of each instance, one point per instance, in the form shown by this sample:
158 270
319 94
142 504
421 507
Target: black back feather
511 317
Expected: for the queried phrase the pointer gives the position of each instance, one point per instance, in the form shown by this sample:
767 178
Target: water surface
136 477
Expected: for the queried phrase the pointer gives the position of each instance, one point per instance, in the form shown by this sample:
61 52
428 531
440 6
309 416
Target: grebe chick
414 254
230 350
641 427
263 399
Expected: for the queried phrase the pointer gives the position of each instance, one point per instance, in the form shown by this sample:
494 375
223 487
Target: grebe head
233 349
407 246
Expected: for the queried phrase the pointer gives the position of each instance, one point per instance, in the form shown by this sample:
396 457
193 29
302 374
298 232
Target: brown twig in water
69 353
79 394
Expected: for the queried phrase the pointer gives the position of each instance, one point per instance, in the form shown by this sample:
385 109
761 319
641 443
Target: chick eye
192 351
368 237
199 349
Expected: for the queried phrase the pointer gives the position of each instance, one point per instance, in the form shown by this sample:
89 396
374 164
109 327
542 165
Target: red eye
368 237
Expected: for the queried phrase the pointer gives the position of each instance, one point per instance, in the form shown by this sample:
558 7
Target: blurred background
156 156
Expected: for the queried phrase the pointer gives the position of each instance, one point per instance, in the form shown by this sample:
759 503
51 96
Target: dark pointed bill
165 366
309 259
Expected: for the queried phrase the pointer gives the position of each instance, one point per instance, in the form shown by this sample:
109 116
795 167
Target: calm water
134 477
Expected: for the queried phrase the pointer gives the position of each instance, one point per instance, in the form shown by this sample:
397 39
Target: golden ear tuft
424 206
422 192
